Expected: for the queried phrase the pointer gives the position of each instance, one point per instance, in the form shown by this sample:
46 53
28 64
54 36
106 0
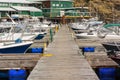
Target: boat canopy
111 25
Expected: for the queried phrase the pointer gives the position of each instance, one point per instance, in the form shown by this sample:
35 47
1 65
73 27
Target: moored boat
112 48
17 47
107 31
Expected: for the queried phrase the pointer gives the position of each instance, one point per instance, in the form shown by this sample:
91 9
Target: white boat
101 32
95 35
17 46
15 36
79 26
20 31
85 25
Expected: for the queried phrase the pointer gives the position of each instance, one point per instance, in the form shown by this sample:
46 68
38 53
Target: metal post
51 35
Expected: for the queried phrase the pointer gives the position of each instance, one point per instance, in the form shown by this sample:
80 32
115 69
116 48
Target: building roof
35 1
15 1
70 8
6 9
26 8
53 0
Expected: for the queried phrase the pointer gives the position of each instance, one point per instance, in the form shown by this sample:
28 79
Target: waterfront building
62 9
17 8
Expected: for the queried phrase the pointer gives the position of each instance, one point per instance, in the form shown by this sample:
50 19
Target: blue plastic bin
88 49
107 73
20 74
37 50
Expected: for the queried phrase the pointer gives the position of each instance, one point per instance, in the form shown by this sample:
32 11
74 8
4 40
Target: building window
57 5
6 4
61 5
53 4
10 5
3 4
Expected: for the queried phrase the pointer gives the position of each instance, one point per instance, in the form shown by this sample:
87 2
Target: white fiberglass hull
95 36
10 36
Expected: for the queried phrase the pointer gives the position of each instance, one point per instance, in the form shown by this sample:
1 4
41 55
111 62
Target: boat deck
61 60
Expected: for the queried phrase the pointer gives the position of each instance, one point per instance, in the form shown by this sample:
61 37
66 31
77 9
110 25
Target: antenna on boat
10 18
11 26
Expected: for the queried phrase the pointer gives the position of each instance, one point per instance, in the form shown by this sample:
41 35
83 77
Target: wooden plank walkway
65 62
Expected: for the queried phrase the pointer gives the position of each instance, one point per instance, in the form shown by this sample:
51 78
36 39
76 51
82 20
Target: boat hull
111 46
19 49
39 36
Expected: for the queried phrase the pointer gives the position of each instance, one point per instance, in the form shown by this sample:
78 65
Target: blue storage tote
20 74
107 73
37 50
88 49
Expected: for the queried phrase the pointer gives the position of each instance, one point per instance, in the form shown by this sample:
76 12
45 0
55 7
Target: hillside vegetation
108 10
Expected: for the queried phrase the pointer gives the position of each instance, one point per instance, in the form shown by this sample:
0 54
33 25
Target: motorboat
17 47
107 31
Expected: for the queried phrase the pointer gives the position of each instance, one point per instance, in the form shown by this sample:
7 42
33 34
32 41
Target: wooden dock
97 60
61 61
13 61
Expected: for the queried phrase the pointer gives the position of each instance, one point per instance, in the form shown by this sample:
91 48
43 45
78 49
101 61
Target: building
59 9
55 8
19 7
50 9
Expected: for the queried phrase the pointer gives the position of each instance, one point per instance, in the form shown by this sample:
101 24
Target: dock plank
100 60
65 63
8 61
